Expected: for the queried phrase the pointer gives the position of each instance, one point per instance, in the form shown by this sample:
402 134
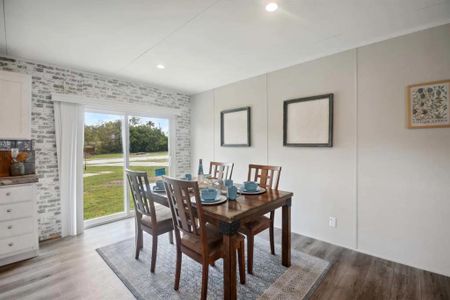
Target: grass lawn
103 193
120 155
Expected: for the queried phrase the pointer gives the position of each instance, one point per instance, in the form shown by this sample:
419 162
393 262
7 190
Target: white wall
404 174
202 135
251 92
323 179
388 186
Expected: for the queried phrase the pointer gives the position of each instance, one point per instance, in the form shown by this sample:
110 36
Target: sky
91 118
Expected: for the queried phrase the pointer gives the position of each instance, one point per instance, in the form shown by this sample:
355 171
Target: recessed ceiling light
271 7
161 66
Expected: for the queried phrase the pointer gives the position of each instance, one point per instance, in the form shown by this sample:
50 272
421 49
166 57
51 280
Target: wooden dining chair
267 177
194 237
151 217
221 170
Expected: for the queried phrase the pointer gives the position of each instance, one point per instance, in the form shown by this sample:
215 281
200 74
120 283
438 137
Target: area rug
271 280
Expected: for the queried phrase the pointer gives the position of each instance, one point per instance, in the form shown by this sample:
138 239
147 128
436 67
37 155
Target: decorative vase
17 168
200 170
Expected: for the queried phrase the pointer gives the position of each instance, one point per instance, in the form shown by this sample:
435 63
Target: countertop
12 180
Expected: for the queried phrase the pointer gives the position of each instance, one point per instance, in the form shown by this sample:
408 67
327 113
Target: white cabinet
15 106
18 223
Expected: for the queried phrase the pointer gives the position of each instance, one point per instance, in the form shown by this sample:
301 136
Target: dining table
229 216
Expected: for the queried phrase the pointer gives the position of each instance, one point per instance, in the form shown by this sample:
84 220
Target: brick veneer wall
48 79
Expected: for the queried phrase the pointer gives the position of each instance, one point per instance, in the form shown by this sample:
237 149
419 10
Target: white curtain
69 129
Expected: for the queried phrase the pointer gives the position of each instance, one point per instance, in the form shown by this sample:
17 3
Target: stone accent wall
48 79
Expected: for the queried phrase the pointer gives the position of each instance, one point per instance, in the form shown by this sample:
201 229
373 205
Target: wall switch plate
332 222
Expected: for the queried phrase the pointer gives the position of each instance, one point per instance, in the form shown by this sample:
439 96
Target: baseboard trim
373 254
18 257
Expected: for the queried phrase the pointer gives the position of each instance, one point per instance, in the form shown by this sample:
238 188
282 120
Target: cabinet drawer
18 243
16 210
16 227
16 194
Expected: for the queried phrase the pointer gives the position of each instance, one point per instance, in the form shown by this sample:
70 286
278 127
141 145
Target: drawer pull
9 226
8 194
11 244
9 210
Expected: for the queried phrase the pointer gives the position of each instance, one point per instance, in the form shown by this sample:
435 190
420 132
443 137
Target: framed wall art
308 122
235 128
428 104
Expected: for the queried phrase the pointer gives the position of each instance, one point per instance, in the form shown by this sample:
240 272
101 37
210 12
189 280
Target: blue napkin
160 172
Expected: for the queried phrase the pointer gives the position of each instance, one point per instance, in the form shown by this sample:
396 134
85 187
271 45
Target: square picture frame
308 121
235 127
428 104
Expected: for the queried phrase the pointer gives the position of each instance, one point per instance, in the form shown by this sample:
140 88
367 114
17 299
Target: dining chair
267 177
221 170
194 237
151 217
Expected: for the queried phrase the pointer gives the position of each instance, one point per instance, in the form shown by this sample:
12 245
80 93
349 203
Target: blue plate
259 190
219 199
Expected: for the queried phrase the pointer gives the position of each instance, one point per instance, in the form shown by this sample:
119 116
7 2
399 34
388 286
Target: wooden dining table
229 216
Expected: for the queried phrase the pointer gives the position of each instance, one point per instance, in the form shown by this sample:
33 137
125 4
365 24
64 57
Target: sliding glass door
103 165
148 146
113 143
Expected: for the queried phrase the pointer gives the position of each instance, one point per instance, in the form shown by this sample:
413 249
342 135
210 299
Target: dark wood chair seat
193 242
214 240
256 226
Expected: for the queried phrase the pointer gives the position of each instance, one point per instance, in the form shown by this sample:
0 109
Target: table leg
229 231
286 235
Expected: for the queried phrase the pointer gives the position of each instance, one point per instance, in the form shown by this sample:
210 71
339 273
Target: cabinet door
15 105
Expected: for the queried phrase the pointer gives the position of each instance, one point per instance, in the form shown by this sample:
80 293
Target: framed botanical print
428 104
308 122
235 128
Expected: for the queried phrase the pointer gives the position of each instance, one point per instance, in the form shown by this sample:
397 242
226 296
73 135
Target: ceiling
202 43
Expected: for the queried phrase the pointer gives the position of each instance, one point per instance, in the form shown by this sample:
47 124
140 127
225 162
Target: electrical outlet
332 222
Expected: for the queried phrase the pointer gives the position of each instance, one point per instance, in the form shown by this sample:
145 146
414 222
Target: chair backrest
266 176
142 197
221 170
186 219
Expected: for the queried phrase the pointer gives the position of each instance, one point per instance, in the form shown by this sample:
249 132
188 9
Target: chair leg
171 237
178 270
241 259
141 239
272 242
250 254
205 270
139 243
154 250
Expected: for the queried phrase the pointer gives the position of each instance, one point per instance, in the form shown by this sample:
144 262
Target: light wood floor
71 269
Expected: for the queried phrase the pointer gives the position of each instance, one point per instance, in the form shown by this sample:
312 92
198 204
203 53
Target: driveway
143 161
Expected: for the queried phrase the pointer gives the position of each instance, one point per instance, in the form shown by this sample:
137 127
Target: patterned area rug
270 280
